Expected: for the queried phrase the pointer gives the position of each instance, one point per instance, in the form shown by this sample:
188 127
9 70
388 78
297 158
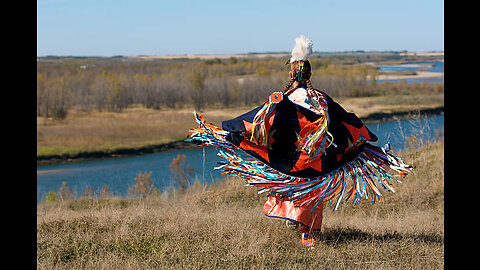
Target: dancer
307 150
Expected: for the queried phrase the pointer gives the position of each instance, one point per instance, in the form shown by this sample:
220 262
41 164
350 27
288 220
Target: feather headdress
302 49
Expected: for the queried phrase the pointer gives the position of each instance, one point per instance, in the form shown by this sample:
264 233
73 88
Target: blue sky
147 27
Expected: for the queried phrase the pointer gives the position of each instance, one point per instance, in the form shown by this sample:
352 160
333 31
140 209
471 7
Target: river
434 66
119 173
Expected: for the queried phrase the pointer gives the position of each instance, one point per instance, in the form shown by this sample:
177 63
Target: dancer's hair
302 77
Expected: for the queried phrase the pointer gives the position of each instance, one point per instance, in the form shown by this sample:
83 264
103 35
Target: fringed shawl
303 156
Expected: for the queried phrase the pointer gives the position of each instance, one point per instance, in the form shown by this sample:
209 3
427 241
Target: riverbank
119 153
419 75
375 117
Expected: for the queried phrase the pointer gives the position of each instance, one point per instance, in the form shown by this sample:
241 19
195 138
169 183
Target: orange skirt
276 208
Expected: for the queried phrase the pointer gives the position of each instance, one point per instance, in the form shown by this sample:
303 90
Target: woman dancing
308 150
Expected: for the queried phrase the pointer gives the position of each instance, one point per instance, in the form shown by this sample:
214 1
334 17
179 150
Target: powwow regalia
307 151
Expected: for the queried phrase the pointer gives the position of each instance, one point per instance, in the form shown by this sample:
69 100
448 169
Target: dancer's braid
309 85
290 83
305 79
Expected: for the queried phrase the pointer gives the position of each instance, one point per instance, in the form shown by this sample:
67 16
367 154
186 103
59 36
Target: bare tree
197 82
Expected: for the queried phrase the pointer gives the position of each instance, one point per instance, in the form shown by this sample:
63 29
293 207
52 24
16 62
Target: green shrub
51 197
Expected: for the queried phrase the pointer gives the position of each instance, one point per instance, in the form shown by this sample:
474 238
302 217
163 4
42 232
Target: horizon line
261 54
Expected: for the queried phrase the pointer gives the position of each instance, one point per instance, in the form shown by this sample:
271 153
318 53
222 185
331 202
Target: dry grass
364 106
139 127
135 127
223 226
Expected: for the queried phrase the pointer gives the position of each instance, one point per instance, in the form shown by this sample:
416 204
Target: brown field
134 127
137 126
121 93
223 227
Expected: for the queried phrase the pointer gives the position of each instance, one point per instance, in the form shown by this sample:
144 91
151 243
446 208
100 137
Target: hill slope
223 226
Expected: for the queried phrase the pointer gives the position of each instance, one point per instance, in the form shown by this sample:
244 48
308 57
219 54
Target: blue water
119 173
397 133
438 66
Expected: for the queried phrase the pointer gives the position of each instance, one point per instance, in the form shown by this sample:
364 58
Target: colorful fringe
259 134
365 171
314 138
209 135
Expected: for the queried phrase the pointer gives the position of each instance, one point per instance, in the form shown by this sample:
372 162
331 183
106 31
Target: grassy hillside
223 226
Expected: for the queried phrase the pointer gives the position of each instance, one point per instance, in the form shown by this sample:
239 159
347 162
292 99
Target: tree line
113 84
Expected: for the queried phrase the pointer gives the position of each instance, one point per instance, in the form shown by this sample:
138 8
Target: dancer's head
300 68
300 71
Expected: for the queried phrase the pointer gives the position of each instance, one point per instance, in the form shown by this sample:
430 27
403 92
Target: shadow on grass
336 236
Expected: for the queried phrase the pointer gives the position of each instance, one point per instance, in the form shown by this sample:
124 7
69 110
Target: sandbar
419 75
51 171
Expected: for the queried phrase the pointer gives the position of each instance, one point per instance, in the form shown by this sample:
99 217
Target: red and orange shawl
300 155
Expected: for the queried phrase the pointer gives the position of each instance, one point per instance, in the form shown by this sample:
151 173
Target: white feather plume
302 49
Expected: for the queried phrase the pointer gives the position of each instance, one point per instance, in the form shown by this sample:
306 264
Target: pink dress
278 208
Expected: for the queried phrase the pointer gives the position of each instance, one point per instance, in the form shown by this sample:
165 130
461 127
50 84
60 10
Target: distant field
95 104
223 227
211 56
137 126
